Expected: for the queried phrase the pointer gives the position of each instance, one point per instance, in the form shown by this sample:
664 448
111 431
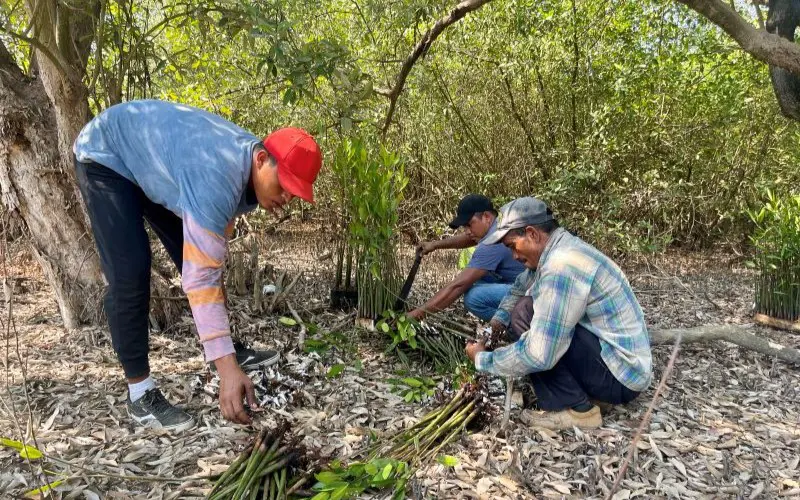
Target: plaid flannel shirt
576 284
521 285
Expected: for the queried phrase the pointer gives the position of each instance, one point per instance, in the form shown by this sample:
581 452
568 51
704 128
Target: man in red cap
188 173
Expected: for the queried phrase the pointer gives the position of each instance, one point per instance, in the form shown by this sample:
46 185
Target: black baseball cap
468 206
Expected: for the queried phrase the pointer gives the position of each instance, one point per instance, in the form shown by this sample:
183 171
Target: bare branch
461 10
54 57
765 47
646 419
734 334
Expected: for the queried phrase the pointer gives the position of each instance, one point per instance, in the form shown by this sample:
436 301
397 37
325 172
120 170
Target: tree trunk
782 20
729 333
39 119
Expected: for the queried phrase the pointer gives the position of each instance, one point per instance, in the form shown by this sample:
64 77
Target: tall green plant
371 181
777 243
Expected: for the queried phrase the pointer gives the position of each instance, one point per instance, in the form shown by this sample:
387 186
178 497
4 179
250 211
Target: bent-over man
188 173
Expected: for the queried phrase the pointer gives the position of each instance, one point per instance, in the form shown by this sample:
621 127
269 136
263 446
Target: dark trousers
117 210
580 375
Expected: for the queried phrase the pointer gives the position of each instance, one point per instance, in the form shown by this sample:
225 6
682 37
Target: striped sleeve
203 260
521 285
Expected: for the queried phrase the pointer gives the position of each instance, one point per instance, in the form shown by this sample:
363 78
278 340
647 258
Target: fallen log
734 334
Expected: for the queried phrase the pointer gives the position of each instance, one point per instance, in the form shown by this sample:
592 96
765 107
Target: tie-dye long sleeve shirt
197 165
576 284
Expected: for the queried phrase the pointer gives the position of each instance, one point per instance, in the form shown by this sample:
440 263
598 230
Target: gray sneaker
153 409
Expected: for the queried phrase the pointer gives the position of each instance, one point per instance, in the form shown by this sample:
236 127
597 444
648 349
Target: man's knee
521 317
472 298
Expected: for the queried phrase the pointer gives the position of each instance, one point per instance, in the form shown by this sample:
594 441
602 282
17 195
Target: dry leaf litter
727 427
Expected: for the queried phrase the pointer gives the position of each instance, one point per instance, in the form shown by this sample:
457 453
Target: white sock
137 390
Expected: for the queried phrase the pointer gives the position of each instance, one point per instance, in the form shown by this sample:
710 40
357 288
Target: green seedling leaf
41 492
371 469
340 492
29 452
286 321
385 327
335 370
448 460
323 495
409 396
412 382
327 477
386 471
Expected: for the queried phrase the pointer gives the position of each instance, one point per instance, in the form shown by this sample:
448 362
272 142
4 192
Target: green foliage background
642 124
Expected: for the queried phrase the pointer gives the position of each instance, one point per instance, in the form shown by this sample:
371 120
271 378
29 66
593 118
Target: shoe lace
158 402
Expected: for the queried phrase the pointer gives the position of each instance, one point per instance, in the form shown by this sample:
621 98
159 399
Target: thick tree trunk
729 333
782 20
37 180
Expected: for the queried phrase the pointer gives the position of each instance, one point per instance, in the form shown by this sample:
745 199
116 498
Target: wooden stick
646 419
301 339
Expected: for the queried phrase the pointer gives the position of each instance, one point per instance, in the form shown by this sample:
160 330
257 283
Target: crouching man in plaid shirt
586 340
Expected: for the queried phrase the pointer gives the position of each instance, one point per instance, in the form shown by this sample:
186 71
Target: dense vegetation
641 123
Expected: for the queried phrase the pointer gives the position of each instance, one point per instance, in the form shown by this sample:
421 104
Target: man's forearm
459 241
444 298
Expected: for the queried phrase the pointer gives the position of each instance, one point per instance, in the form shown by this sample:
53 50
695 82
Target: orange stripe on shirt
203 296
198 257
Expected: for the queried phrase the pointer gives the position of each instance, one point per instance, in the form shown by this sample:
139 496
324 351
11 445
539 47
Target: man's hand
234 385
497 327
473 348
426 247
417 314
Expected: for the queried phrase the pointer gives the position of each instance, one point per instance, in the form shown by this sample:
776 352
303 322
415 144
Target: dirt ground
728 424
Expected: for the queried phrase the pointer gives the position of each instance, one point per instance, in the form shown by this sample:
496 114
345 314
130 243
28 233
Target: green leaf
323 495
409 396
385 327
327 477
371 469
386 471
40 492
412 382
29 452
448 460
335 370
340 492
287 321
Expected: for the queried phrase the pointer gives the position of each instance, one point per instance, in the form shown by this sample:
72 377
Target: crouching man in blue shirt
491 269
586 339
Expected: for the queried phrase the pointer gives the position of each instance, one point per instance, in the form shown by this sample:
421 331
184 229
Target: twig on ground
301 338
646 418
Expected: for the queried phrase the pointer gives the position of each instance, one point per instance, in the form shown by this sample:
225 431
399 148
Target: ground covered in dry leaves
728 424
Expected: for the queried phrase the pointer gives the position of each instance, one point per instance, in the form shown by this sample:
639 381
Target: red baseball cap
299 160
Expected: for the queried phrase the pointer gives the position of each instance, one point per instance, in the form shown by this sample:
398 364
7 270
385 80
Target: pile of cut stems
262 471
443 346
440 427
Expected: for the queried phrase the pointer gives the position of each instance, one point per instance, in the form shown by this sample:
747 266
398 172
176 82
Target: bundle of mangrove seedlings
777 258
441 343
267 469
438 428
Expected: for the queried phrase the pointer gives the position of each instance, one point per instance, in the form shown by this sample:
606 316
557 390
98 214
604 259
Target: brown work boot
604 407
564 419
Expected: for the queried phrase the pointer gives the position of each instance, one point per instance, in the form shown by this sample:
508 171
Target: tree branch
765 47
461 10
33 42
729 333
